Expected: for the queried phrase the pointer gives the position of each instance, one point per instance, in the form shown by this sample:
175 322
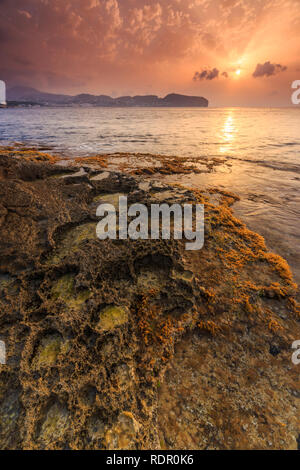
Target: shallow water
260 149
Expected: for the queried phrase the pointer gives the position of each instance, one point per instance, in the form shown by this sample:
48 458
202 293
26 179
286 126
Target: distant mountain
27 94
32 96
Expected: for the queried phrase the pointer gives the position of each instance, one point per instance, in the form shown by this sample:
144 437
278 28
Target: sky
233 52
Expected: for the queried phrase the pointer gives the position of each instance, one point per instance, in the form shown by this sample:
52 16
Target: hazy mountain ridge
31 95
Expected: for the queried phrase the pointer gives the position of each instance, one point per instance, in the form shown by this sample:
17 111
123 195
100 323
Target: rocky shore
137 344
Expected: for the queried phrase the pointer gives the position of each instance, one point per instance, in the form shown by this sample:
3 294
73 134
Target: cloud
209 74
267 69
206 74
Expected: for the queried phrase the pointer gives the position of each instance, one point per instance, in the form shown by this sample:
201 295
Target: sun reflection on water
228 133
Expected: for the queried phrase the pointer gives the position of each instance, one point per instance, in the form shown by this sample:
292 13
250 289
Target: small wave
281 166
284 144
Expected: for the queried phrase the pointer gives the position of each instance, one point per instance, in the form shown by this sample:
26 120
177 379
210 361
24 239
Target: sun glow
238 72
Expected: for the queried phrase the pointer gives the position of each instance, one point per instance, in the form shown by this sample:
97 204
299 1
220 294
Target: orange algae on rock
99 160
28 154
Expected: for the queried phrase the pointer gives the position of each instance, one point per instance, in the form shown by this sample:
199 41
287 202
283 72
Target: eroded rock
91 326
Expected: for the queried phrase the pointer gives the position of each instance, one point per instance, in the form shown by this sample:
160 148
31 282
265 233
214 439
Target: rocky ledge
138 344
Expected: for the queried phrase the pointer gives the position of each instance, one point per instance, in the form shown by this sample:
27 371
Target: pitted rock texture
91 326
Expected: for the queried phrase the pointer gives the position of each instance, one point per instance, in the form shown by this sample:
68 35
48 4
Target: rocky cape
137 344
26 95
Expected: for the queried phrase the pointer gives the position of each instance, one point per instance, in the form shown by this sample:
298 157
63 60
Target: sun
238 72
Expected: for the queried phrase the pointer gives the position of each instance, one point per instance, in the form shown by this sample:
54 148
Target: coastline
92 328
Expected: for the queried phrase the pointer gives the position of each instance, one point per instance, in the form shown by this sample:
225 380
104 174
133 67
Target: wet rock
157 186
101 176
112 199
144 186
80 176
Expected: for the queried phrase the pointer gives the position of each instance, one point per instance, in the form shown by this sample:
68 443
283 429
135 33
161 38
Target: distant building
2 93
